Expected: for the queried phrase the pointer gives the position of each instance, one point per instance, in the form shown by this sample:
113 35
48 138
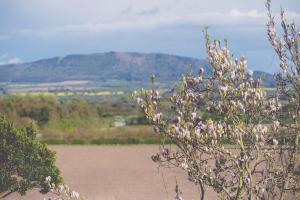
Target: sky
36 29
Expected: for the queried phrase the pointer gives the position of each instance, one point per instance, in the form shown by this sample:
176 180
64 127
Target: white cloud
80 17
137 23
6 59
14 60
154 18
249 14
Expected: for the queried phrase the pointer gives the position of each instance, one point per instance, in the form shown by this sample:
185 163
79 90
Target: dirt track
117 173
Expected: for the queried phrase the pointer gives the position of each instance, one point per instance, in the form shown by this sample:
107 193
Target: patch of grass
78 141
54 141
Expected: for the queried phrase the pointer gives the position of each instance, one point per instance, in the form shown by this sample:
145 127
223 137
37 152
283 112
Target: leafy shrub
25 162
41 115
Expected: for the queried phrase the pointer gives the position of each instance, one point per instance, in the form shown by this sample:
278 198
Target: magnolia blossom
48 179
138 100
184 165
247 180
275 125
194 115
185 133
275 142
62 192
157 117
74 194
223 89
250 73
274 105
260 131
241 106
198 132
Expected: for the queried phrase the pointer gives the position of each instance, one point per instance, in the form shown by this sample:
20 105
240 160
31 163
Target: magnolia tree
288 89
258 163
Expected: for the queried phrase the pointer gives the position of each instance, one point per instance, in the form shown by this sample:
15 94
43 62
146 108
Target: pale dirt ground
117 173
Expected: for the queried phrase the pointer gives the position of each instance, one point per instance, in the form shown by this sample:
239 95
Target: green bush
25 162
41 115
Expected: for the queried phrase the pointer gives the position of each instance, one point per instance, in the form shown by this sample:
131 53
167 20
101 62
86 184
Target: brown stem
8 193
202 190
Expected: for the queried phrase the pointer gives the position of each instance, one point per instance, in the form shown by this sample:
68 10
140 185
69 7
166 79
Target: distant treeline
79 120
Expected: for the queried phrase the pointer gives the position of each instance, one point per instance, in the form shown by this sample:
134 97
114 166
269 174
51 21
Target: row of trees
263 161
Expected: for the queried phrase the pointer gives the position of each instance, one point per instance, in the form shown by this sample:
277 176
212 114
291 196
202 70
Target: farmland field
117 172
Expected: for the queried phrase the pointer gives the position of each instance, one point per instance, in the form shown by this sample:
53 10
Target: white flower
243 62
275 142
232 75
48 179
157 117
176 128
250 73
184 165
241 106
156 95
194 115
198 132
256 137
206 149
246 180
178 119
138 100
186 133
61 188
223 89
275 125
74 194
214 134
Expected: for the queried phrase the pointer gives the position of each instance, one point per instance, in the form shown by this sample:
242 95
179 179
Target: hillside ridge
121 66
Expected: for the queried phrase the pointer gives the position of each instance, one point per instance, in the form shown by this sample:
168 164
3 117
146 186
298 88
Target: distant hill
129 67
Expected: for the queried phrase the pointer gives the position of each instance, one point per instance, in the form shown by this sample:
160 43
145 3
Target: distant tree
40 115
24 161
44 115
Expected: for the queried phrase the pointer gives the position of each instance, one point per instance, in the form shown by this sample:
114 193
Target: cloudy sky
35 29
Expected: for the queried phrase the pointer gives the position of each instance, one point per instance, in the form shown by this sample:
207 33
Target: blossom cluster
61 192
